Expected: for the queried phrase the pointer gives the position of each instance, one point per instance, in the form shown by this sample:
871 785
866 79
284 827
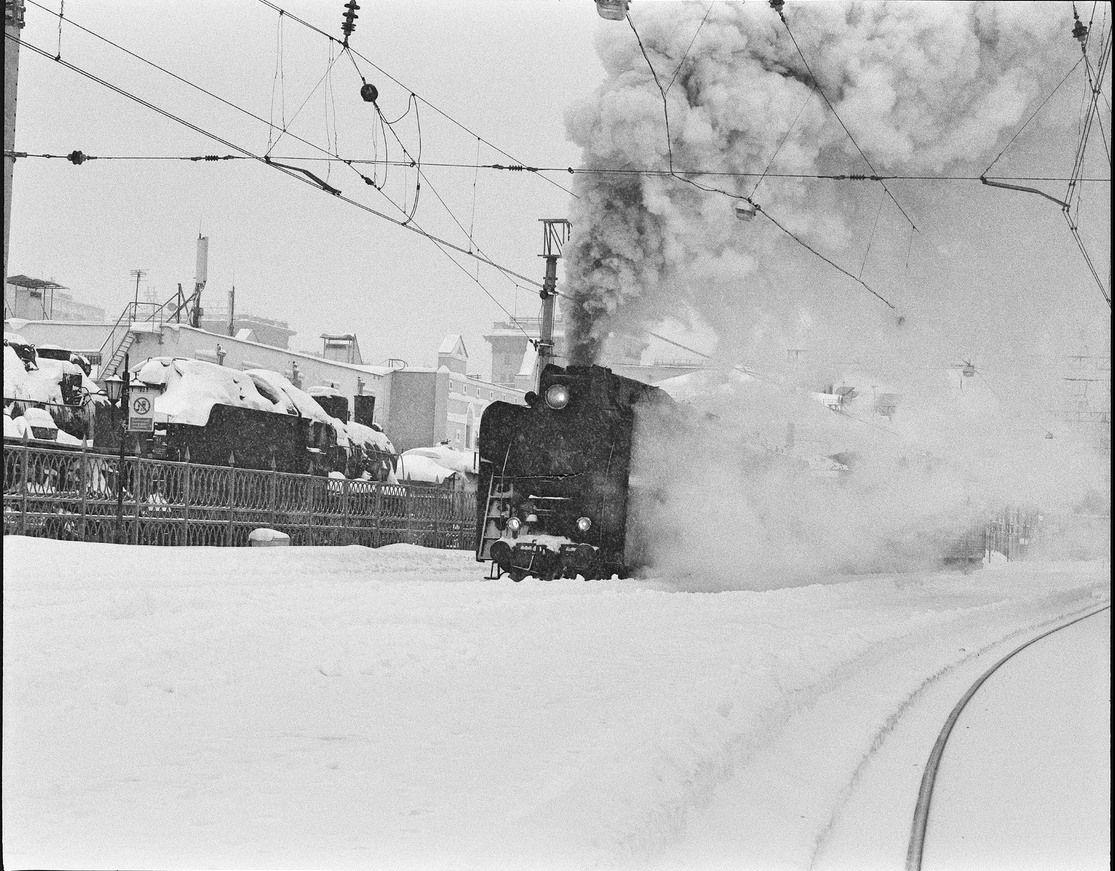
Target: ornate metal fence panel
58 492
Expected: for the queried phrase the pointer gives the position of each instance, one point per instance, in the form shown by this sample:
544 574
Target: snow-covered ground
356 708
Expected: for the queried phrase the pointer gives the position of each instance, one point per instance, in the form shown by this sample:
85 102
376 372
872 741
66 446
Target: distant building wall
510 341
412 419
82 337
429 406
265 331
47 303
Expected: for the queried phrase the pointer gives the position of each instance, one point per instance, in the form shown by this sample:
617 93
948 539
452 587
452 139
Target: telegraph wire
777 6
271 125
294 117
1032 115
416 163
736 196
1078 167
836 266
77 157
785 136
574 170
673 78
290 171
61 17
387 75
280 72
181 79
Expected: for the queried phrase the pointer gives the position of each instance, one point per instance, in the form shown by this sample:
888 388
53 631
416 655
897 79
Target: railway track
925 793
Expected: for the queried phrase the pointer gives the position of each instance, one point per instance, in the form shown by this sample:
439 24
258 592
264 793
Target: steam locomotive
555 495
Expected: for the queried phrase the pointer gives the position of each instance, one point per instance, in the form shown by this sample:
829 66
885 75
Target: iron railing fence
72 493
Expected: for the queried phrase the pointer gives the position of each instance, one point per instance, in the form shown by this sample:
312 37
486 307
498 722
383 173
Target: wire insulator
349 23
76 158
1080 32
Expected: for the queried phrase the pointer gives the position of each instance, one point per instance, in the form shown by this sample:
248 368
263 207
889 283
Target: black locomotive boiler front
553 492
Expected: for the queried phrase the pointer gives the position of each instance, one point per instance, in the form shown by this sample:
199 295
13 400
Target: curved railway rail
929 776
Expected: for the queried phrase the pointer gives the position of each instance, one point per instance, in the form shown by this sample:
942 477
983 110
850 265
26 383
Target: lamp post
117 390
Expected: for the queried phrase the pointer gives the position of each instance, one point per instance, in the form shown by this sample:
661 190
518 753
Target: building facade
433 405
39 299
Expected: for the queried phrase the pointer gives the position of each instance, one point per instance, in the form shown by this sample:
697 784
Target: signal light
584 524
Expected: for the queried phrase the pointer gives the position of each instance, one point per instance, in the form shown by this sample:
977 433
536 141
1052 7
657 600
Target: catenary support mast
554 236
13 23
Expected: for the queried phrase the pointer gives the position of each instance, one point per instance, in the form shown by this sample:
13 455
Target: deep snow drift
347 707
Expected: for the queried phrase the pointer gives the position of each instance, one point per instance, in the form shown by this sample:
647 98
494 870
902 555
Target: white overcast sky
507 71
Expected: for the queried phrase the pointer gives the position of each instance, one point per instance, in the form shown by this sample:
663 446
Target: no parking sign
141 411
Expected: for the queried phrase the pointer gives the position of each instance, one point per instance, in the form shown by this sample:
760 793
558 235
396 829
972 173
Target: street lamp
116 389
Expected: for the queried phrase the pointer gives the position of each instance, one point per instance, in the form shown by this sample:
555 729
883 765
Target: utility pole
555 233
138 273
13 24
232 311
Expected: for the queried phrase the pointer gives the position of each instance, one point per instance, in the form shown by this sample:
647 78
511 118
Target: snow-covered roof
362 434
453 344
703 383
415 467
445 456
303 403
43 384
192 387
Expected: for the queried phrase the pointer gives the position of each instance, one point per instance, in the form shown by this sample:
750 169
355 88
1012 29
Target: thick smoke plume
921 85
925 88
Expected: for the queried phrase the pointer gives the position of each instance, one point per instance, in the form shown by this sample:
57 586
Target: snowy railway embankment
346 707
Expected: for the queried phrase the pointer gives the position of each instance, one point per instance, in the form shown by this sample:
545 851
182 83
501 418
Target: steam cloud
921 85
924 87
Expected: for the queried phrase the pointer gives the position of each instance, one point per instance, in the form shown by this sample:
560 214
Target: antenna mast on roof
200 275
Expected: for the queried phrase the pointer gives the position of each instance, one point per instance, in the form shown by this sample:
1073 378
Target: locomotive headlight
514 524
557 396
584 524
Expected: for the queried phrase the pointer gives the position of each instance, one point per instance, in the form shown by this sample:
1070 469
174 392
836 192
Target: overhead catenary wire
731 194
78 157
273 127
416 163
298 111
600 170
292 172
1073 190
688 49
387 75
279 73
824 96
1025 123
